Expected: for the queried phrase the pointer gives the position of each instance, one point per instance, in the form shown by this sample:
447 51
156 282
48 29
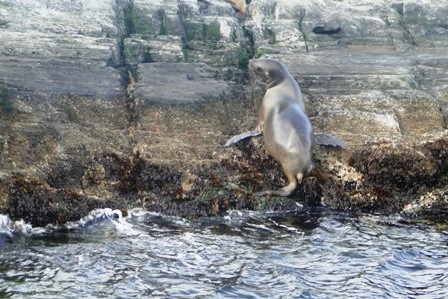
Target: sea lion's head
271 71
239 6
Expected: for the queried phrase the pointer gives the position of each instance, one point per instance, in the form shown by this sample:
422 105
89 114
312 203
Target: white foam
262 227
9 227
95 216
115 217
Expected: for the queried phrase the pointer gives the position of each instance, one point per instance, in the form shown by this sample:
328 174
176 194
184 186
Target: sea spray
9 227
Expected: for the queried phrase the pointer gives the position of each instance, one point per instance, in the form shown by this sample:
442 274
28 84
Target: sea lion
288 134
238 5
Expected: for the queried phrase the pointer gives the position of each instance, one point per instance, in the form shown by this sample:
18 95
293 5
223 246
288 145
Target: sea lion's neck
287 82
287 86
274 81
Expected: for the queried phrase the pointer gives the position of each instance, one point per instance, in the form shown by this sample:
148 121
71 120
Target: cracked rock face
60 88
362 62
169 78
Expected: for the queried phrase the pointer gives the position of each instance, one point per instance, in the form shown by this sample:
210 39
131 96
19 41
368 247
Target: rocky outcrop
162 85
369 70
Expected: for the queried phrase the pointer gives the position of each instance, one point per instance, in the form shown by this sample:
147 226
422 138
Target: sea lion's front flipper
239 137
327 139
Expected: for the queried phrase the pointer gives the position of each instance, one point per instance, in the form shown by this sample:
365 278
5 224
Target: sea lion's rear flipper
327 139
239 137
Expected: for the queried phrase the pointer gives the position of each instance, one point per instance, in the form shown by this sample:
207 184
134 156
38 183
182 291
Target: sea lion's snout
256 68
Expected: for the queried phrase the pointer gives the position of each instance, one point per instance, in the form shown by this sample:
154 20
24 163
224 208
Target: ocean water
311 253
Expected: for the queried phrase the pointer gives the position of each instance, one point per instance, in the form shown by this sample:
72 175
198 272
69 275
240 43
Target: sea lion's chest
276 100
285 125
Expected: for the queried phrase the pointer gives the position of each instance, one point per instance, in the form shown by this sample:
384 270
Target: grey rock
163 48
61 91
179 83
62 76
365 95
382 67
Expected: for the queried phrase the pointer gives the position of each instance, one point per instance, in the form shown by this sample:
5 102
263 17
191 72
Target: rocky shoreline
127 104
379 178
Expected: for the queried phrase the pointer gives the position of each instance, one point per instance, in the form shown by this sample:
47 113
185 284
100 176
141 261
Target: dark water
308 254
